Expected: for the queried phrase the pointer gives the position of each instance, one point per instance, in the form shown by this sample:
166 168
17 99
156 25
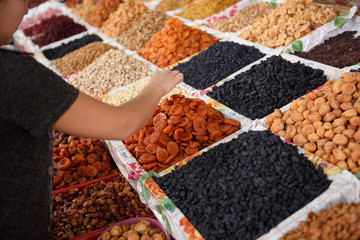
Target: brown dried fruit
355 121
311 147
338 154
307 129
329 147
329 134
344 97
297 116
276 127
313 137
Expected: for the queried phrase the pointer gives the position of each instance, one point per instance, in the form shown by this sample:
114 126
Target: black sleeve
32 96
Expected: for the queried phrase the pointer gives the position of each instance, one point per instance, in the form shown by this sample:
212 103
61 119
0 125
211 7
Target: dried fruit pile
140 33
340 222
31 21
242 18
53 29
96 206
141 230
97 12
217 62
325 122
267 86
168 5
205 8
179 128
77 60
288 22
339 51
123 18
58 52
80 160
174 42
244 187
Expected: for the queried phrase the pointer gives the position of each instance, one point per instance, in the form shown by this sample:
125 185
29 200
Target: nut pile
325 122
217 62
179 128
123 18
140 33
205 8
339 51
80 160
64 49
340 222
112 69
174 42
97 12
133 90
271 84
290 21
244 187
97 206
169 5
141 230
77 60
245 17
53 29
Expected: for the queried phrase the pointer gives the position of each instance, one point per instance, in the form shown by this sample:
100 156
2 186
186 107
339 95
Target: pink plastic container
154 223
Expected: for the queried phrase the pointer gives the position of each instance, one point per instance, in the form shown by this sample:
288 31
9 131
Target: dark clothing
32 99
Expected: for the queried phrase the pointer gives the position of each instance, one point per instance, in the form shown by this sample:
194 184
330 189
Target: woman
34 100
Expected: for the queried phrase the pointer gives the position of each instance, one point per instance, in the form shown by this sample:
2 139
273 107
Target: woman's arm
92 118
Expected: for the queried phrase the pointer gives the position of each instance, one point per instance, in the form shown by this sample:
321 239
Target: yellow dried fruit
340 139
300 139
329 147
355 121
270 118
324 109
342 165
344 97
336 87
313 137
348 88
311 147
315 116
329 134
338 154
349 113
307 129
330 116
346 106
320 132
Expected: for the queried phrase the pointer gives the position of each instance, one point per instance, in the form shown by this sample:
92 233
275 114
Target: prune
244 187
339 51
217 62
64 49
269 85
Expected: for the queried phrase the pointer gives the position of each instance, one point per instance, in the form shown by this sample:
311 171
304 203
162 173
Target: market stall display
205 8
338 222
99 205
290 21
179 128
53 29
174 42
271 84
205 170
325 122
63 49
339 51
123 18
244 187
77 60
217 62
112 69
140 33
245 17
79 160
